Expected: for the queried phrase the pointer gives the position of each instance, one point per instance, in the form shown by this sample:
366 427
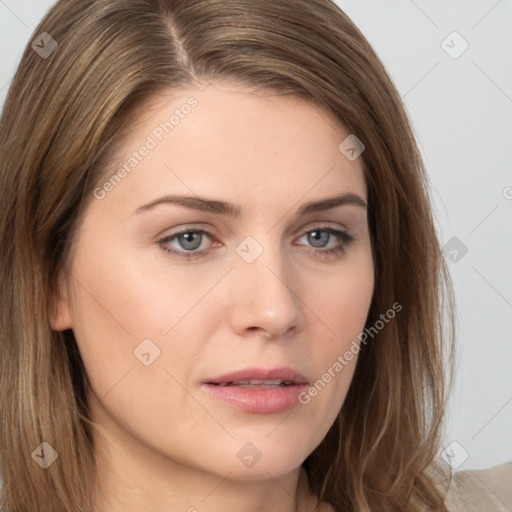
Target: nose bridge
265 289
262 260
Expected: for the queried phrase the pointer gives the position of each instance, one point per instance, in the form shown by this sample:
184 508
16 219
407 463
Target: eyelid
187 229
319 224
310 226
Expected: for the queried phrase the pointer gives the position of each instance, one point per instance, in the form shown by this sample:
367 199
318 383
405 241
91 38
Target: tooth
257 382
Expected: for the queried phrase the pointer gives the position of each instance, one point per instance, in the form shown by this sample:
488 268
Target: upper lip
284 373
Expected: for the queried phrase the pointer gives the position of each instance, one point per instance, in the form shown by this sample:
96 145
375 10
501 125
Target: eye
320 237
187 243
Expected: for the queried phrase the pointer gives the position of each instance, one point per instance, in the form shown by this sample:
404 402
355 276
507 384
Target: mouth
260 377
258 390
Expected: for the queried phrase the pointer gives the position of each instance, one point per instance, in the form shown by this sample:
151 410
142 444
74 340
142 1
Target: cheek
342 301
127 297
338 316
126 308
120 318
112 312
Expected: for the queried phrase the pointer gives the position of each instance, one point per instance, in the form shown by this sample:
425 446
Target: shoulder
488 490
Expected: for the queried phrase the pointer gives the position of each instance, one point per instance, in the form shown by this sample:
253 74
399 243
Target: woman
222 286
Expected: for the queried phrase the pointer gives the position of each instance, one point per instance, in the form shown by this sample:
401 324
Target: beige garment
482 490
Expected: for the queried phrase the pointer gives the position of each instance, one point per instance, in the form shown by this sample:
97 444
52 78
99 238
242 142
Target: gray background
461 108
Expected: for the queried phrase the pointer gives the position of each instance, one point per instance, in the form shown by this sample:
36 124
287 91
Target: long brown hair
64 116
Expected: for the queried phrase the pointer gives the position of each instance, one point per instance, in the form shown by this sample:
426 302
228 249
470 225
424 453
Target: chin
265 458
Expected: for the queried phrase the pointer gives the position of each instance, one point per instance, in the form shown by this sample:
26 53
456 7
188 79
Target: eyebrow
232 210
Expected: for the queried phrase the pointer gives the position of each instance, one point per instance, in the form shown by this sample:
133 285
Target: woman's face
252 273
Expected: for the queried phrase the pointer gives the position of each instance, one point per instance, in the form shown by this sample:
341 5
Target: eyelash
337 251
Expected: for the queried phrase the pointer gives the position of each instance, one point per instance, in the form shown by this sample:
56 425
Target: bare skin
164 442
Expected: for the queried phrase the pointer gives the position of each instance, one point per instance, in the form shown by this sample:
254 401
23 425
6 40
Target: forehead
226 140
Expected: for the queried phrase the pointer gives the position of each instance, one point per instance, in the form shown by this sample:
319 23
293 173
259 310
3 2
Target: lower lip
257 400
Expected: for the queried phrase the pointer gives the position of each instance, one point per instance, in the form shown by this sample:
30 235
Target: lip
258 400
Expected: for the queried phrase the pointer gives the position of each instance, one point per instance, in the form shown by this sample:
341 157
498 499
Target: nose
266 296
